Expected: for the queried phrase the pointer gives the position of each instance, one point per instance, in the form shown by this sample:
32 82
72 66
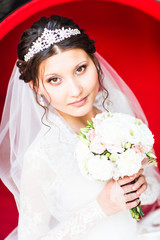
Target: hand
122 194
134 188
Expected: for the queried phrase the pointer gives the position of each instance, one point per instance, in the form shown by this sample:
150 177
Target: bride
59 83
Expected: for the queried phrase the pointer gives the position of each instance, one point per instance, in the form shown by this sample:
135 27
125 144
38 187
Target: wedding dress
54 200
57 202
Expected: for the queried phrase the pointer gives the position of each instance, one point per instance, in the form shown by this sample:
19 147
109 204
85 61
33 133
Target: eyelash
51 79
84 66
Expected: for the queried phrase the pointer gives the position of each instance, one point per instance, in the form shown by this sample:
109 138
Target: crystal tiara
48 38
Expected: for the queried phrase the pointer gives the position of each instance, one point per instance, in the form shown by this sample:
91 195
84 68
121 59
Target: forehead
63 61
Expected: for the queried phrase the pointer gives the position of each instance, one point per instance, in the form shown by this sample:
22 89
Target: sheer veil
122 99
21 120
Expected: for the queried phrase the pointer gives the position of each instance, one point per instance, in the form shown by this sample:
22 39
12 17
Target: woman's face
71 79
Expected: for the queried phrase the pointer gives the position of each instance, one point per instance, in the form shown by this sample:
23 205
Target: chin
82 111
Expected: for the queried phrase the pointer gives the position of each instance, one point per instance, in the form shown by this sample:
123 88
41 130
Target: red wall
127 37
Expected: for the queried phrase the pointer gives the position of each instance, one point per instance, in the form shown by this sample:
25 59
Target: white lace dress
57 202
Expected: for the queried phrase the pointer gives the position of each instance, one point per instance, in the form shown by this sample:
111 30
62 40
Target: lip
80 102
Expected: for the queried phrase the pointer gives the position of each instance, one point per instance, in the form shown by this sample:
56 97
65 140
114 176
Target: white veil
121 97
21 120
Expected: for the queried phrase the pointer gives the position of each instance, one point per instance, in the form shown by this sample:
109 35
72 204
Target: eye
81 69
54 80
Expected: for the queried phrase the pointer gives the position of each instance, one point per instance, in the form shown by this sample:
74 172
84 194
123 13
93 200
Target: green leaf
84 139
151 155
90 124
152 160
85 129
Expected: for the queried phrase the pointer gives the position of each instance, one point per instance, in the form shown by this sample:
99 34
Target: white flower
98 119
134 135
97 146
147 139
112 132
140 149
129 162
91 134
100 168
114 149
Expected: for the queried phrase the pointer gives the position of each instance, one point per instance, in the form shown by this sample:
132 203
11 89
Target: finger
133 187
131 196
141 189
140 181
133 204
125 180
136 175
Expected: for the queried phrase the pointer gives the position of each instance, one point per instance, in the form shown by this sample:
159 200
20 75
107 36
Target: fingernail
133 188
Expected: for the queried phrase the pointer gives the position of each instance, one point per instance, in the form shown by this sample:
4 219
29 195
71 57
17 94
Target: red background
127 35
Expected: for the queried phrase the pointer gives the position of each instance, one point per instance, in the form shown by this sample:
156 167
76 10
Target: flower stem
137 212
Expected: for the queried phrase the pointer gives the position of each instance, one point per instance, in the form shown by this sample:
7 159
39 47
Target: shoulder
39 148
38 159
48 144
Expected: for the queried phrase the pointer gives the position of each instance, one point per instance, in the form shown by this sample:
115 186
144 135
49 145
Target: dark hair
29 70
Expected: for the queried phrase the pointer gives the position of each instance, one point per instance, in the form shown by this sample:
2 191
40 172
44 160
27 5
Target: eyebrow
51 74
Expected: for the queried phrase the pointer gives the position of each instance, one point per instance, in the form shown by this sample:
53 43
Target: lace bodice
57 202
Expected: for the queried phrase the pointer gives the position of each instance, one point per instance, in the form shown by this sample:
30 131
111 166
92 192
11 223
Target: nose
75 88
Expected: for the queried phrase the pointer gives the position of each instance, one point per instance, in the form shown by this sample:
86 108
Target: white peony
112 132
147 139
91 134
100 168
98 119
114 149
134 135
97 145
129 162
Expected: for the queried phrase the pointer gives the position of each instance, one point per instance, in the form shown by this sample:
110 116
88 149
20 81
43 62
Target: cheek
92 81
59 97
51 94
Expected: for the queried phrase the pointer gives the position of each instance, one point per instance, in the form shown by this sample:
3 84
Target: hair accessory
48 38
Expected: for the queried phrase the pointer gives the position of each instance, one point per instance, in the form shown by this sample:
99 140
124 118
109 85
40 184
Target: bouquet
114 145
